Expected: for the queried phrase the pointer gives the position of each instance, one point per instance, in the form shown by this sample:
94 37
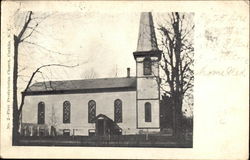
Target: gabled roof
86 84
102 116
107 118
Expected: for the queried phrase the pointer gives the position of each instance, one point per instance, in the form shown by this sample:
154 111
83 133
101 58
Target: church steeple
147 39
147 57
147 43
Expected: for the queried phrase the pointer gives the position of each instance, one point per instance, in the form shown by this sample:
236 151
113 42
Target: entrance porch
105 126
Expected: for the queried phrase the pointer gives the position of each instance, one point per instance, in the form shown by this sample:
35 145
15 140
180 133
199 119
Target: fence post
147 135
108 136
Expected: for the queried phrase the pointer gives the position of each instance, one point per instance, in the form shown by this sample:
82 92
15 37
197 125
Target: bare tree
177 62
89 74
27 30
53 116
114 71
53 122
18 39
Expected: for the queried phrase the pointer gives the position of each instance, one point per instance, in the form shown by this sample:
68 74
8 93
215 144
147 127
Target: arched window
41 113
147 66
91 111
66 112
147 112
118 111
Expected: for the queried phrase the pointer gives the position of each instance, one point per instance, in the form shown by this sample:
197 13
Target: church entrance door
105 126
100 127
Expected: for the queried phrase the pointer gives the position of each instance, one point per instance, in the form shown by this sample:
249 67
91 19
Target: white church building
104 106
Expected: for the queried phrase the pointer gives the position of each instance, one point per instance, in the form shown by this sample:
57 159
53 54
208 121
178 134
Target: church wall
155 112
147 88
79 110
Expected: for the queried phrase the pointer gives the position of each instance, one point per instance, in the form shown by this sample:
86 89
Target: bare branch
44 48
89 74
33 29
22 69
43 80
18 9
187 33
27 21
31 79
187 88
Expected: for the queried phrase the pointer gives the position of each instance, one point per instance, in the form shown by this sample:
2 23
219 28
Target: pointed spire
147 39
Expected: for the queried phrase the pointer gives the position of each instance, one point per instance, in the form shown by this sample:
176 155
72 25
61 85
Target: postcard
125 79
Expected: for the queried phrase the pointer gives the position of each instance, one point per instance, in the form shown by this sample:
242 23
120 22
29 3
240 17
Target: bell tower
147 57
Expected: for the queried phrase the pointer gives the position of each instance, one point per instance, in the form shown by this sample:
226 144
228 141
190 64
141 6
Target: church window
147 112
92 111
41 113
147 66
66 112
118 111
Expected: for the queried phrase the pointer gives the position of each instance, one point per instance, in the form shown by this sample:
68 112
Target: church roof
147 39
86 85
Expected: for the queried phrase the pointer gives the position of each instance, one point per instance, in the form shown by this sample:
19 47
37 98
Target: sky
103 43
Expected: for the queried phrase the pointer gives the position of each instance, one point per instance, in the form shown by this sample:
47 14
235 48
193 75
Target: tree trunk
177 116
178 121
178 94
15 133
